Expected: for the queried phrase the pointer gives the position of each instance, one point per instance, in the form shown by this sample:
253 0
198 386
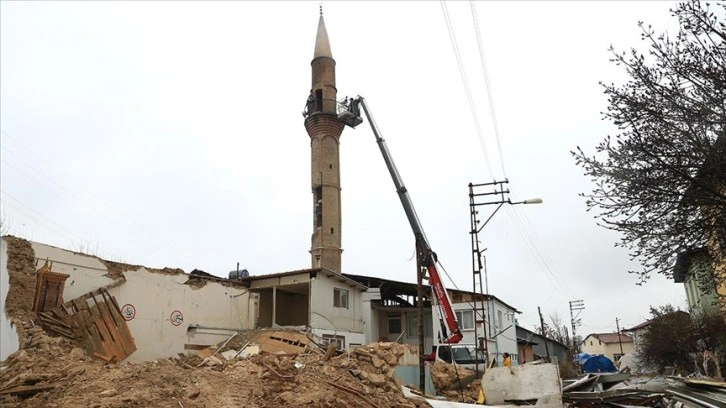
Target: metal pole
541 321
617 324
420 313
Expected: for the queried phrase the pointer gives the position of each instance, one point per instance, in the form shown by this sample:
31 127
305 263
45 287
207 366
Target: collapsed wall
166 310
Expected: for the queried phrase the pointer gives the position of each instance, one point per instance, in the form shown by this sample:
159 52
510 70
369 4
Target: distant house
608 344
533 346
694 269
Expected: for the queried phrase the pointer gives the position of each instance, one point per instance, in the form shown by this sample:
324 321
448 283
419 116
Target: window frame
341 298
460 318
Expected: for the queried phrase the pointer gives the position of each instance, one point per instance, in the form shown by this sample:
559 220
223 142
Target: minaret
324 129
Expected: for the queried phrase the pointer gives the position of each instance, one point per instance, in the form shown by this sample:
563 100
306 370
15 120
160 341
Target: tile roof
609 338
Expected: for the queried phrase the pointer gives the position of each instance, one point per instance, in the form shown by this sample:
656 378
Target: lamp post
497 195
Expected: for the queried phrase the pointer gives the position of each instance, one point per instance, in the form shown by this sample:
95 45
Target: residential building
390 313
533 346
694 269
327 303
611 345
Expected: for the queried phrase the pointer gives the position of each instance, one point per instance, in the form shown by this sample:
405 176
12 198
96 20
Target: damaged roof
312 271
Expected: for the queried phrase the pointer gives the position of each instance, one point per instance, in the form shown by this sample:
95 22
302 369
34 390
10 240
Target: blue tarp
595 363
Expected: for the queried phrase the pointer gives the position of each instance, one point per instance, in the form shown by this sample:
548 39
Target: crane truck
450 334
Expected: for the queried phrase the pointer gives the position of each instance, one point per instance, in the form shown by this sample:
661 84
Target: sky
170 134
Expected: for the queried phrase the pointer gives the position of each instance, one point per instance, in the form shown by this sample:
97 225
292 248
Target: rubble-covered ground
455 383
356 379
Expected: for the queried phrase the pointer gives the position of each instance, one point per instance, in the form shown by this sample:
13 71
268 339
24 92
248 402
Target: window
318 197
591 342
332 338
466 319
318 100
340 298
500 324
394 323
617 357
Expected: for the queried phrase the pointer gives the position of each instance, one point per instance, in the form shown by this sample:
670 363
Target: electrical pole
420 314
575 306
617 324
541 321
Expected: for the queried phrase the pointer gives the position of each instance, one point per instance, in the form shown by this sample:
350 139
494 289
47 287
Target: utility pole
420 315
617 324
542 326
575 306
497 193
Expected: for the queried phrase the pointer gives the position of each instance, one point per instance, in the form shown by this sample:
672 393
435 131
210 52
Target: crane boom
449 325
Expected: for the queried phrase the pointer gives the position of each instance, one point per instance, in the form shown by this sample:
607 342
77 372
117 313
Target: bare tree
667 163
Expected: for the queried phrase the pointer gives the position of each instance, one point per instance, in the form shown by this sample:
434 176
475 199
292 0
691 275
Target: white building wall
370 316
164 306
322 313
502 335
9 342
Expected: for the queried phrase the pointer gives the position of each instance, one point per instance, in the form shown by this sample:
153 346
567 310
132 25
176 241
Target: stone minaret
324 129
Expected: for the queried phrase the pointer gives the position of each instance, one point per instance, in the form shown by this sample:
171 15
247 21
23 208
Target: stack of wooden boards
94 320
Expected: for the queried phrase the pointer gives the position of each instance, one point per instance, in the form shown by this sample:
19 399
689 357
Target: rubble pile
452 381
52 372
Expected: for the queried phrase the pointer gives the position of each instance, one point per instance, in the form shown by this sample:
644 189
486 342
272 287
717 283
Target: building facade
611 345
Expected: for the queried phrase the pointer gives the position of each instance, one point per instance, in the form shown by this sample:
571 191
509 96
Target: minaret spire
324 129
322 43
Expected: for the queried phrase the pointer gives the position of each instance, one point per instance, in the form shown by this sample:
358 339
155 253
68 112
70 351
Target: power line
127 219
462 72
131 233
488 85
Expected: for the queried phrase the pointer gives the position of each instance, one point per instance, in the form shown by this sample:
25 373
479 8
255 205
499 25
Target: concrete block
525 382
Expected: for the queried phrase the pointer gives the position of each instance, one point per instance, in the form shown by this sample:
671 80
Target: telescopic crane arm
449 325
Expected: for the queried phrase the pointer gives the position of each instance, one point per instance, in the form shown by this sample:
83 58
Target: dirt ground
358 379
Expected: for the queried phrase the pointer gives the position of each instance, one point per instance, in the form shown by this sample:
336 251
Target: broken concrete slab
522 383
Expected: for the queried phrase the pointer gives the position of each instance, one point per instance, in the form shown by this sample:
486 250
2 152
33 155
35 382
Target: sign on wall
128 311
176 318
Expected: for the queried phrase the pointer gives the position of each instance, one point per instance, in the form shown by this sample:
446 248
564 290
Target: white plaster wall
322 313
154 297
9 342
370 316
87 273
506 341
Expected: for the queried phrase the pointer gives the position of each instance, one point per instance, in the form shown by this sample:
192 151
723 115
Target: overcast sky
171 134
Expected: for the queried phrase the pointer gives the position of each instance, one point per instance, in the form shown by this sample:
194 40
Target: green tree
668 340
670 117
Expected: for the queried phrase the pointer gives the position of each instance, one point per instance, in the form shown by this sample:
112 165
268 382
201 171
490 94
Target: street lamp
499 196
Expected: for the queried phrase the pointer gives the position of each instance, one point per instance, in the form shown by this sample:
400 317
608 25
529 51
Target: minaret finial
321 8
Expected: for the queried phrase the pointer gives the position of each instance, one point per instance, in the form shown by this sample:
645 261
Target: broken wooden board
94 319
276 342
26 390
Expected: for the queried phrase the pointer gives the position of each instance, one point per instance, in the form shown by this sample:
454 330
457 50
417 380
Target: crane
451 334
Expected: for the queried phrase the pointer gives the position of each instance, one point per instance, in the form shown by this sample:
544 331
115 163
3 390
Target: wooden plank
121 325
116 330
29 389
107 339
113 331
